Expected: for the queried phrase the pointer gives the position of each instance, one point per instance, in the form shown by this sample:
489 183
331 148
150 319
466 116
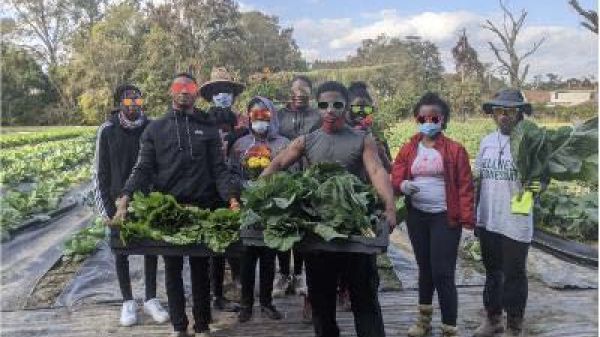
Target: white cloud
245 7
568 51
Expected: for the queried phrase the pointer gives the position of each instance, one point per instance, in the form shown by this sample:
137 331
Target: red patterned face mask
331 125
364 123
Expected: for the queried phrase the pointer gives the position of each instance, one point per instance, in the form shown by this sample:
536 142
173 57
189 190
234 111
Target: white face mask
223 100
260 126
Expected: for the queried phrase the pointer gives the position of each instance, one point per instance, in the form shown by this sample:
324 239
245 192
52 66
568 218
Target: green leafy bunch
567 153
159 217
324 200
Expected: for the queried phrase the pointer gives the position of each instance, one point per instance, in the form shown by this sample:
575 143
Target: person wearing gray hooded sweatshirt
249 155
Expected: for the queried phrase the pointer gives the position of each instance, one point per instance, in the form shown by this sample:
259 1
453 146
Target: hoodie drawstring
189 137
177 131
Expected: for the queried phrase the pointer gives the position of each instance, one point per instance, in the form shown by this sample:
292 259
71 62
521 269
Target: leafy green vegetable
324 200
85 242
159 217
566 153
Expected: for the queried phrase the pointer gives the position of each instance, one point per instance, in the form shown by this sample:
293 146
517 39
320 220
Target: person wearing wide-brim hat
221 81
221 91
505 237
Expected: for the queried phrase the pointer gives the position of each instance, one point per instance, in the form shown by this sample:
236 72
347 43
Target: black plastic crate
151 247
312 242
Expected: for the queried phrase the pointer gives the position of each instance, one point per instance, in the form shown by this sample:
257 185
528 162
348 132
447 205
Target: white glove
409 187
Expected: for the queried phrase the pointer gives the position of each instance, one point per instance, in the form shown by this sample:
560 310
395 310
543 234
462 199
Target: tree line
61 59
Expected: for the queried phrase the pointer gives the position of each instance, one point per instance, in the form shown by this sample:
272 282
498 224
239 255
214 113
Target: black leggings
323 272
266 257
505 262
217 273
285 262
122 268
435 245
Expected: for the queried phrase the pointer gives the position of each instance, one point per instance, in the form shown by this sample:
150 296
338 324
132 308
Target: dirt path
28 256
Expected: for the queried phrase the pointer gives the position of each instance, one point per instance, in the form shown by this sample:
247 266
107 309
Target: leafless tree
506 53
590 16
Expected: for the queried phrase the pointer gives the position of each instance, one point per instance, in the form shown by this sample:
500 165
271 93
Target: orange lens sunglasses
132 101
191 88
260 114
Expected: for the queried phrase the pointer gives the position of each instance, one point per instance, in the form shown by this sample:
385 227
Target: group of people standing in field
202 159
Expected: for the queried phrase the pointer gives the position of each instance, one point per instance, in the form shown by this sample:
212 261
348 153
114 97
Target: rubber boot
422 327
490 326
514 326
449 331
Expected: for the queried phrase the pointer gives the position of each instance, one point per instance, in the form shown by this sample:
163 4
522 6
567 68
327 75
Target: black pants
266 257
435 245
323 271
200 292
505 262
124 278
285 260
217 273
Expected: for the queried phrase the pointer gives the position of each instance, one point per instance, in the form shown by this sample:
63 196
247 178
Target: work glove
409 187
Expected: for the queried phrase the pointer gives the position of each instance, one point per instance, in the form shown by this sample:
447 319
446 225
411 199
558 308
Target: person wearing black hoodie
181 155
117 147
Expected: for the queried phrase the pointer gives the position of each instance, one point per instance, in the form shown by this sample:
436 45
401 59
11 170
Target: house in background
572 97
565 97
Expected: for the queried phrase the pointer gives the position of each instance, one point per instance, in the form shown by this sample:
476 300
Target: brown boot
491 325
514 326
422 327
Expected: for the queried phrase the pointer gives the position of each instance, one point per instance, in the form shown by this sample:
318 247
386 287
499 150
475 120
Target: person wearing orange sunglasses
433 174
249 156
181 155
117 148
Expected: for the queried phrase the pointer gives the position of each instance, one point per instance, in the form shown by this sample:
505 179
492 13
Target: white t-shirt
428 174
499 183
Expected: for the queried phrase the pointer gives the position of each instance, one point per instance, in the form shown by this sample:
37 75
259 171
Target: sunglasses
428 119
132 101
334 105
180 87
260 114
362 109
503 110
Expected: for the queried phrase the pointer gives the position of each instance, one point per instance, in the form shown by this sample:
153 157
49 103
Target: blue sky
332 29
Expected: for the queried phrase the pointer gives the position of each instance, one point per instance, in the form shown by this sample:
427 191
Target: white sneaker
300 284
128 313
153 308
281 285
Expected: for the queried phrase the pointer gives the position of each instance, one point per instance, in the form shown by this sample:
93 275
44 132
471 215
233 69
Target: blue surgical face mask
260 127
223 100
430 129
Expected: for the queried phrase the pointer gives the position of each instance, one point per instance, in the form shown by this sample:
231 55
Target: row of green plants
10 140
44 196
31 163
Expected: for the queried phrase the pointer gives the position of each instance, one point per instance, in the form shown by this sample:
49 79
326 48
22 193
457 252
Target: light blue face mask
430 129
223 100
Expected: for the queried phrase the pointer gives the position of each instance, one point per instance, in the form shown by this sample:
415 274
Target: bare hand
121 213
234 205
390 216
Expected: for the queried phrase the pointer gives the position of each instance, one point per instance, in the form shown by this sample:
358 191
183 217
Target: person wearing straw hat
221 91
504 237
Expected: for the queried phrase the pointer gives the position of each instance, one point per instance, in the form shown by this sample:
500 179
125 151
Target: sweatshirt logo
198 132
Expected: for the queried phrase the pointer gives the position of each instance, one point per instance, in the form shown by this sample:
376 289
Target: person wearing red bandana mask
337 142
360 117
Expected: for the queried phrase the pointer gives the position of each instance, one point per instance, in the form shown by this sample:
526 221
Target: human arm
140 176
226 180
291 154
466 192
379 179
102 177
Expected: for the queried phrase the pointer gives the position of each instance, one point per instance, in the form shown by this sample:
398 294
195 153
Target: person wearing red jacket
433 173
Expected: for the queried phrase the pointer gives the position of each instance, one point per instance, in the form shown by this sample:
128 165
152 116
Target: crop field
39 166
